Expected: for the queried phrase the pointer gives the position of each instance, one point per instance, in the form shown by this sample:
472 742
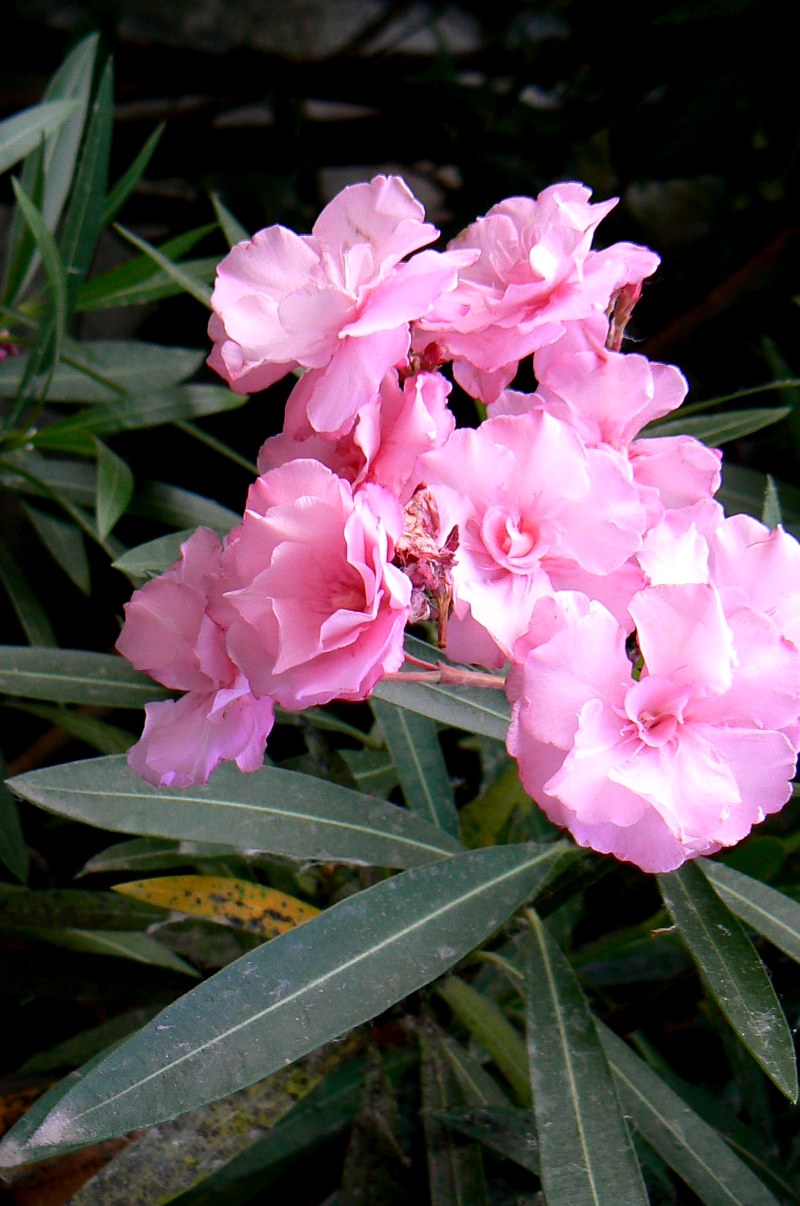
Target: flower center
513 541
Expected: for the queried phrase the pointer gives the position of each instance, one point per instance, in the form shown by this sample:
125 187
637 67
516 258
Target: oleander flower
675 759
318 611
338 302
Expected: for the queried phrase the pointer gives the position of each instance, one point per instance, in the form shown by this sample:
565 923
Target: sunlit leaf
336 971
732 972
273 810
153 557
584 1146
234 902
139 280
21 133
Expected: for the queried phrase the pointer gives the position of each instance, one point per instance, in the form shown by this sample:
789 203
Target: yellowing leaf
234 902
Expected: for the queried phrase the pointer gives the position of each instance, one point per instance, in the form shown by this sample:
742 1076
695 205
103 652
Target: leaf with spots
234 902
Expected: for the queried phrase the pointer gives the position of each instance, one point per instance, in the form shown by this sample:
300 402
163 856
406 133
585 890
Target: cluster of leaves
389 871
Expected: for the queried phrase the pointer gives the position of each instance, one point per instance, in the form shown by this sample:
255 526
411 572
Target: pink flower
534 274
532 506
390 432
677 764
170 635
337 302
319 610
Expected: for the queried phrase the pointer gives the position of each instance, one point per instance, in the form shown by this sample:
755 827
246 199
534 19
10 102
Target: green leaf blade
413 742
73 676
732 972
291 995
21 133
274 810
584 1145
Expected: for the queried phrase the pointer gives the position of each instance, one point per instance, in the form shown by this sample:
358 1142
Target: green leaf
413 742
507 1131
479 1088
584 1145
127 183
720 428
771 510
21 133
768 912
274 810
84 214
697 1153
139 280
470 708
74 676
732 972
141 948
83 1046
151 854
47 349
176 272
25 601
372 771
181 508
114 489
153 557
100 736
232 229
291 995
13 847
75 434
455 1168
488 1024
49 908
65 544
101 370
72 83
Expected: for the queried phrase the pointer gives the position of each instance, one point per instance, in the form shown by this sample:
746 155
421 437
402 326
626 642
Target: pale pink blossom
532 505
390 432
337 302
319 611
535 273
170 635
677 764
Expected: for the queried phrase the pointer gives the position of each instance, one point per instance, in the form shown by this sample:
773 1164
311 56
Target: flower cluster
652 642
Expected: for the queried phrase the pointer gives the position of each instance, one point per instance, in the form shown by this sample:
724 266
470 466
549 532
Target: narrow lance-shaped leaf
228 901
720 428
455 1167
487 1023
231 227
24 600
508 1131
84 213
275 810
104 369
127 183
291 995
139 280
141 948
732 972
413 742
696 1151
21 133
584 1145
174 271
64 543
114 489
767 911
477 710
72 676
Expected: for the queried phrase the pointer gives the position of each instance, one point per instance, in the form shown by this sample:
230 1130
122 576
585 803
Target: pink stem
453 676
